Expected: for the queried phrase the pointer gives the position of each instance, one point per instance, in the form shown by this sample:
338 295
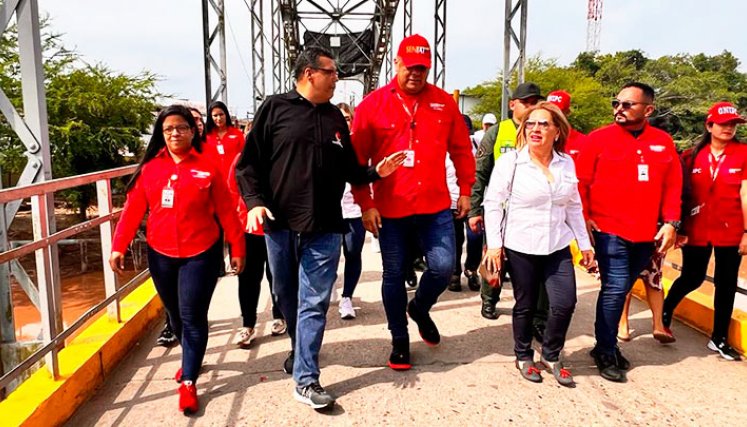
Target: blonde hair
558 119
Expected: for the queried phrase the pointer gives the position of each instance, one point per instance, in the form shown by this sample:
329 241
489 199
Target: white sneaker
246 335
346 308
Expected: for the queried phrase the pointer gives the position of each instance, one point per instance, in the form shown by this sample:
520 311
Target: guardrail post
45 280
104 198
7 326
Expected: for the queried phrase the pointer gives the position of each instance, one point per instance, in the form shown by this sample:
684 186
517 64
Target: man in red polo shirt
414 203
629 178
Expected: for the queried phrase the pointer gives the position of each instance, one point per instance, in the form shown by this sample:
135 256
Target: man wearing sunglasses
629 179
497 140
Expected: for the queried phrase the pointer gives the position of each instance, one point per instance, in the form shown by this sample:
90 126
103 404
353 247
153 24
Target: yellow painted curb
696 310
84 364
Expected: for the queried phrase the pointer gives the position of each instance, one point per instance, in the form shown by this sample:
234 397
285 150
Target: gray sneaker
314 395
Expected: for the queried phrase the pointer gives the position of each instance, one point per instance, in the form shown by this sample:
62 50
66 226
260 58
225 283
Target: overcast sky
165 36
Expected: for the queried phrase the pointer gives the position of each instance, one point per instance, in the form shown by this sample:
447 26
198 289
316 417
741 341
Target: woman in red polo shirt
177 187
223 141
717 221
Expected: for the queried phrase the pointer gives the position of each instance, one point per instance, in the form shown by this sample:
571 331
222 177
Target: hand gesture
256 218
390 163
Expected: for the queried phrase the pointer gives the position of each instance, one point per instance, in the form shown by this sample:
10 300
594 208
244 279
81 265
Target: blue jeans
304 270
435 236
620 263
186 287
352 246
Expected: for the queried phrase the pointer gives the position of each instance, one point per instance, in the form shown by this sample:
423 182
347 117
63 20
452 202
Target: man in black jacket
292 174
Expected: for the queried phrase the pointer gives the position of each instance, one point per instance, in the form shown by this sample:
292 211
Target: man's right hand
372 221
591 226
475 223
256 217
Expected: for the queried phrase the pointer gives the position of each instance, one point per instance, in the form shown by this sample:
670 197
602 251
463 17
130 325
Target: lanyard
410 115
715 164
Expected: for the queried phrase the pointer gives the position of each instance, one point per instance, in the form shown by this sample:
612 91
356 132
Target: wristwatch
676 224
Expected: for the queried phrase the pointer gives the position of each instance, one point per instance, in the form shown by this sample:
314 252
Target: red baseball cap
415 50
723 112
560 98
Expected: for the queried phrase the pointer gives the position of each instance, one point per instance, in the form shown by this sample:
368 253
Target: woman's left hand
743 245
390 163
237 264
587 259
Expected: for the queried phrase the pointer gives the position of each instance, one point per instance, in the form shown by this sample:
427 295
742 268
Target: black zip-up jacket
296 161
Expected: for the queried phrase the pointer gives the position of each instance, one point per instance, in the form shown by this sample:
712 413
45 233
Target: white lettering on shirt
657 148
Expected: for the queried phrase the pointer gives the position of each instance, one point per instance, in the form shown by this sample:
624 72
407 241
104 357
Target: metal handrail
62 336
10 194
46 260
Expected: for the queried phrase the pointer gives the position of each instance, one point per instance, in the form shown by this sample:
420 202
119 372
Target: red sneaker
188 398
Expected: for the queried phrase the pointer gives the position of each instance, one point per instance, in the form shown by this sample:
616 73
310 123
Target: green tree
95 114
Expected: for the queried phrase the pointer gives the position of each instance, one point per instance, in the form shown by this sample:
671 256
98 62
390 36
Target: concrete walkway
470 379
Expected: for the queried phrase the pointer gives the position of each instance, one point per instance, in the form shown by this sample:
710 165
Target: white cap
489 118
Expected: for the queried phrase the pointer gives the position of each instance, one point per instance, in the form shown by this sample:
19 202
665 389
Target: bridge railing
43 246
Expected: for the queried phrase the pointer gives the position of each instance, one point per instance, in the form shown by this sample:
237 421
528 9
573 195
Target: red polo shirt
224 150
574 144
189 227
241 209
628 184
430 124
715 212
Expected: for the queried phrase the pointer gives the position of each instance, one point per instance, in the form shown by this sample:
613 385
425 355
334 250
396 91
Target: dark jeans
186 287
694 265
435 236
474 246
250 280
352 246
620 263
304 270
528 274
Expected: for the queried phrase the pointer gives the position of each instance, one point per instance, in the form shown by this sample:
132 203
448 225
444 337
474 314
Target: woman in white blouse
537 184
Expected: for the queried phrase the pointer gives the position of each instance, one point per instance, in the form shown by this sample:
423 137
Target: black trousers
528 273
250 280
694 265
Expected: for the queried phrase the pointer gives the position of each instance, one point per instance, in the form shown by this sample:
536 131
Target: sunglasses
326 71
626 105
543 125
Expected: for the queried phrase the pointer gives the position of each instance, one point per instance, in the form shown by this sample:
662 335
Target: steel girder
211 36
509 37
439 58
342 17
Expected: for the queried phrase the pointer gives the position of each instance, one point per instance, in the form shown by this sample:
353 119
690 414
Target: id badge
643 173
221 151
167 198
696 210
409 159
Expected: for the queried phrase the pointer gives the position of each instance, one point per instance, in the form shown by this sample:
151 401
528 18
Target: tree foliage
686 86
94 113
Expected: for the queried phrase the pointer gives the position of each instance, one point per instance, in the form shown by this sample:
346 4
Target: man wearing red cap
630 178
575 139
414 203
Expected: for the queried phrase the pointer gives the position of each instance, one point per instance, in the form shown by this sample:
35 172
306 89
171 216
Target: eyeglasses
626 105
543 125
180 129
327 71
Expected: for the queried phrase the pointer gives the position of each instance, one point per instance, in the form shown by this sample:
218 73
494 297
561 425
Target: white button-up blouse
543 217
